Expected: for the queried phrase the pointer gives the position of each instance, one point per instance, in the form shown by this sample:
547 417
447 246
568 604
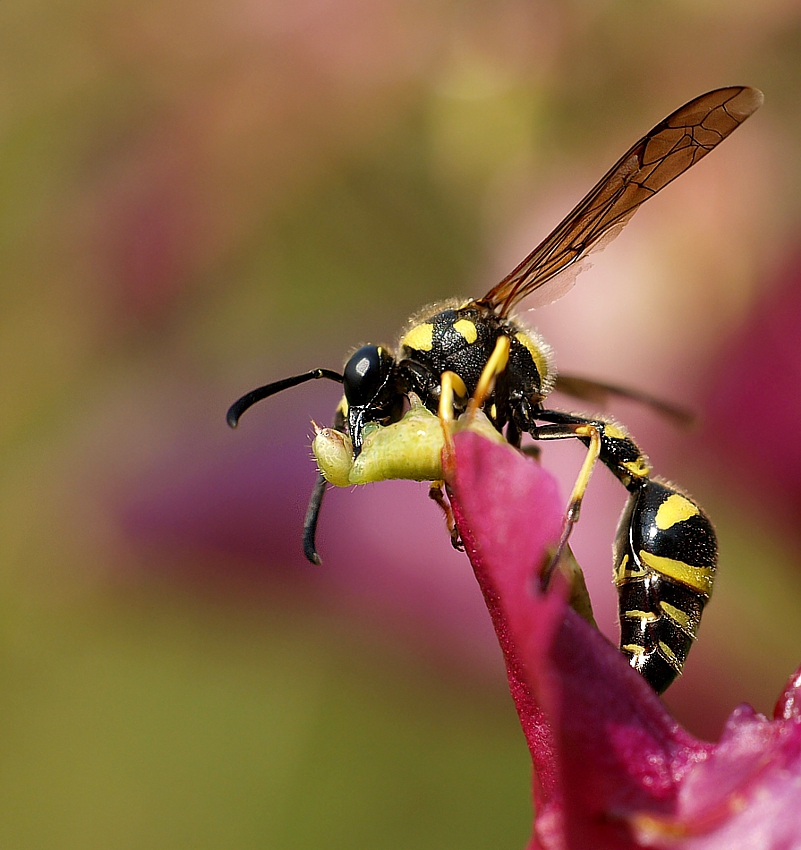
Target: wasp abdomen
665 561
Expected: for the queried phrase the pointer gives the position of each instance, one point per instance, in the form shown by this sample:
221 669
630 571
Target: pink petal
746 795
603 745
612 768
509 513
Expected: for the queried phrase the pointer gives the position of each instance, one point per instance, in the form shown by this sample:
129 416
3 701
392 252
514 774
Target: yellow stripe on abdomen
698 578
667 653
624 574
680 618
676 508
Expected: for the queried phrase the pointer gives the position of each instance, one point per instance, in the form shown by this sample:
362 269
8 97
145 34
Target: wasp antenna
310 523
236 410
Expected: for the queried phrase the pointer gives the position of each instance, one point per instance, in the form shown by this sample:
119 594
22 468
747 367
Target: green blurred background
197 198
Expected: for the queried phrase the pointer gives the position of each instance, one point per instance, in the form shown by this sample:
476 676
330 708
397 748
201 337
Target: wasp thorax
366 373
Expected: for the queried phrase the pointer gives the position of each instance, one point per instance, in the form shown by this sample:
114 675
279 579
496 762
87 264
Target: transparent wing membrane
673 146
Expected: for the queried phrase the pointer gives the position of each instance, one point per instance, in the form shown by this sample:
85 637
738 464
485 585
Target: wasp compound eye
365 374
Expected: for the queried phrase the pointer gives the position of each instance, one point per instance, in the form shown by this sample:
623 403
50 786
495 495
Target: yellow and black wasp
665 553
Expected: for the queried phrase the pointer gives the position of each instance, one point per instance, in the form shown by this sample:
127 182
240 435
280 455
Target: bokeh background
197 198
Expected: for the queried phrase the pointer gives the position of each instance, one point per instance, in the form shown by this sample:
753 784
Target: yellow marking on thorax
535 351
676 508
680 618
420 337
697 578
614 432
633 648
637 468
467 329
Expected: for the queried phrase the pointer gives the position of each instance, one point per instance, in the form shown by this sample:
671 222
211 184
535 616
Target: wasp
476 352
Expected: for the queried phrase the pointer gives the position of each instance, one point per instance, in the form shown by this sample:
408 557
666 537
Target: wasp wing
673 146
600 393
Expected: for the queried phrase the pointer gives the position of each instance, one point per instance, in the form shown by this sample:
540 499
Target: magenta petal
508 511
620 752
603 745
613 770
746 795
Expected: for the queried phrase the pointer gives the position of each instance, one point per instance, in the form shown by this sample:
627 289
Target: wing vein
674 145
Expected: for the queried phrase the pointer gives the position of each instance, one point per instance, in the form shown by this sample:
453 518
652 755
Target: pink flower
612 768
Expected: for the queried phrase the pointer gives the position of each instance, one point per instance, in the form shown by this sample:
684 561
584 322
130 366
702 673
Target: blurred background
199 198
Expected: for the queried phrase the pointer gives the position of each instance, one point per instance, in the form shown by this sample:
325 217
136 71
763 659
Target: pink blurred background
199 198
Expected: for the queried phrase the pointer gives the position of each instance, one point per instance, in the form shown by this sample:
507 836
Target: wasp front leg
665 553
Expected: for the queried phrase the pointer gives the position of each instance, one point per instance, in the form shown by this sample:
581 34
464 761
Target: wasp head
371 391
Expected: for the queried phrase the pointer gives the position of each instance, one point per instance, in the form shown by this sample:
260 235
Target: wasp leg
437 494
513 437
587 431
513 434
451 385
316 501
618 452
496 365
665 557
